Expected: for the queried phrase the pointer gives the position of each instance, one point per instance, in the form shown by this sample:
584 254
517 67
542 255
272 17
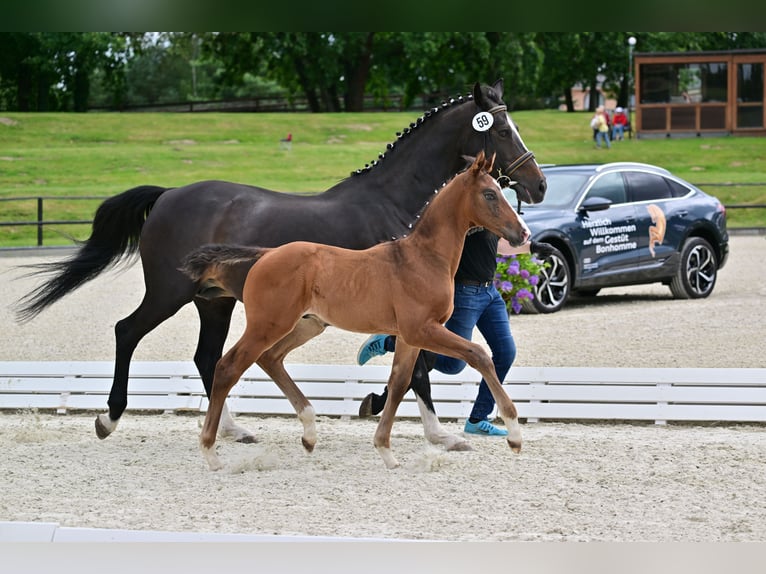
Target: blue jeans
481 307
602 136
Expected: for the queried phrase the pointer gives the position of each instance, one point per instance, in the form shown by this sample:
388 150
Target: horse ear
482 98
478 97
469 161
478 163
498 87
490 163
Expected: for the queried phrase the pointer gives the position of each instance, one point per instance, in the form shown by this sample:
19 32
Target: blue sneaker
374 346
484 428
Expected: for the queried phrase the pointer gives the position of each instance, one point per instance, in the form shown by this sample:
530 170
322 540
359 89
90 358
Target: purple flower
524 274
523 294
516 306
534 280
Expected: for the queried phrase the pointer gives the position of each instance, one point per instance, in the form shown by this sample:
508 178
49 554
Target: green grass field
102 154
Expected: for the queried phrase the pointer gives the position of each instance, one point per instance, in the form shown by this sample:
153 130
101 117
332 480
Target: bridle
504 178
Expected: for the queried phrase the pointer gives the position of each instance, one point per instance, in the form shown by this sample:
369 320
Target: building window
750 95
714 83
683 83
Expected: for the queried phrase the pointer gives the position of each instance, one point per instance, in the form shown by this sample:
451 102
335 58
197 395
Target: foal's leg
272 362
439 339
227 372
215 320
398 381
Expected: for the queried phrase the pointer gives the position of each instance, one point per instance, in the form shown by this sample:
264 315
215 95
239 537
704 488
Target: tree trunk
81 90
23 88
357 73
569 100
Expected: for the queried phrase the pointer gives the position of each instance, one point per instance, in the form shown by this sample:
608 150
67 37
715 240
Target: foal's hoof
365 409
515 446
102 431
307 445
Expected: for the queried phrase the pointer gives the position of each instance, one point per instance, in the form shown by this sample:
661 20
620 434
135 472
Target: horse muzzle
530 197
517 237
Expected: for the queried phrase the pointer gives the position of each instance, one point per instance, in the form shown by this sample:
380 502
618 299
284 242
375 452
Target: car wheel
552 291
697 271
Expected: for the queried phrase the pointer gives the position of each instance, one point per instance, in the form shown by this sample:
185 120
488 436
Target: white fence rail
540 393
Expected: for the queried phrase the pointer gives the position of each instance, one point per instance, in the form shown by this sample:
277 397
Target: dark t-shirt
478 263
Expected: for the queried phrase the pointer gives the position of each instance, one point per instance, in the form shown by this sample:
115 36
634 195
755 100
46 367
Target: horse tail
219 269
116 232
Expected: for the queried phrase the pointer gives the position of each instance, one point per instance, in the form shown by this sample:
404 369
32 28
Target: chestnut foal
403 287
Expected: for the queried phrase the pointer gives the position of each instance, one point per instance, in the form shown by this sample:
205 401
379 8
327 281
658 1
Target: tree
50 71
327 68
562 64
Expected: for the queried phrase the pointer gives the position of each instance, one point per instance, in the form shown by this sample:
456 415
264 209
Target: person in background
594 124
600 123
619 123
477 303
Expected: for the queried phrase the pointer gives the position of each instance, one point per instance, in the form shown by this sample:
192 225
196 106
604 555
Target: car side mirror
595 203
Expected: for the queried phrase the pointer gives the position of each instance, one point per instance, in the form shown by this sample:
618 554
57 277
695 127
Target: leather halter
505 174
519 161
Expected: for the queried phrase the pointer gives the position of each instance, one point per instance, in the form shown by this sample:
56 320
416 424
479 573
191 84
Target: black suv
624 224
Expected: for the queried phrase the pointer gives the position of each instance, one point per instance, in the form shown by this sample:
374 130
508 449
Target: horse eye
489 194
504 133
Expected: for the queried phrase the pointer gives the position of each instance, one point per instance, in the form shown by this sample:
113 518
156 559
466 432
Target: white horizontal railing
540 393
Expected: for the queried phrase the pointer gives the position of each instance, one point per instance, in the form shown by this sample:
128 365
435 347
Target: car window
677 189
647 186
563 188
610 186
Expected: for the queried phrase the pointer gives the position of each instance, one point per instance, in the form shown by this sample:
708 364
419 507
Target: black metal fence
40 222
276 103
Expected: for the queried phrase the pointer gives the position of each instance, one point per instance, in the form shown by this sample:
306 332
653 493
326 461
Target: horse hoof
463 446
213 462
248 439
365 409
102 431
515 446
307 445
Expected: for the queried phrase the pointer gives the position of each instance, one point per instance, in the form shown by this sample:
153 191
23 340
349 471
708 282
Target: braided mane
412 127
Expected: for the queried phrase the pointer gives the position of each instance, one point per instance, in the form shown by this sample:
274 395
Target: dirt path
616 482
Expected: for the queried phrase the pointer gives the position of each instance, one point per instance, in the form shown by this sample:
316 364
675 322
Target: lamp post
631 91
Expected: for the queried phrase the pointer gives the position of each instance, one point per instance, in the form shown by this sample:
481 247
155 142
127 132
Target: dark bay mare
375 204
403 287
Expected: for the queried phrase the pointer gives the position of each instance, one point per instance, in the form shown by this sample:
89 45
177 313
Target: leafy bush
515 278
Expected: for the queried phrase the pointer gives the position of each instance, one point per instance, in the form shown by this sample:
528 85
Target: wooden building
683 94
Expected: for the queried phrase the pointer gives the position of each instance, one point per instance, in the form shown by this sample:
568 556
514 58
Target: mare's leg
439 339
432 427
272 362
128 333
215 320
401 371
421 386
